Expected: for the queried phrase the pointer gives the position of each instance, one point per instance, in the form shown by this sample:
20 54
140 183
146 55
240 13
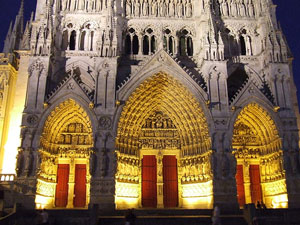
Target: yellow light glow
126 202
127 195
280 201
12 144
199 195
42 202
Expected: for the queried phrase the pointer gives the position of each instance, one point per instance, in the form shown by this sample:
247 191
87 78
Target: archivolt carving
67 128
196 169
164 94
254 127
256 141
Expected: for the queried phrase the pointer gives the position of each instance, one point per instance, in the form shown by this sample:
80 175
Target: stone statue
72 6
171 9
233 8
137 8
63 5
293 160
145 8
154 8
250 10
128 8
224 7
28 163
81 4
179 9
20 162
103 167
224 165
189 9
242 9
161 9
93 163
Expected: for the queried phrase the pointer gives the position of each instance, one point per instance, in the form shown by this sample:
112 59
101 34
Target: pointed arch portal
260 174
65 148
163 128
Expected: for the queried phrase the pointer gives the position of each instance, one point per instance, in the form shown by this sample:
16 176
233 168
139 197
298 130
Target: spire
9 30
7 41
19 23
21 10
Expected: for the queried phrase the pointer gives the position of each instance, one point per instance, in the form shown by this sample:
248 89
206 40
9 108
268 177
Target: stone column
224 169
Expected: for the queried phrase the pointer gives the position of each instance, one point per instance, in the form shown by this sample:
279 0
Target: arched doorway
66 145
163 148
260 173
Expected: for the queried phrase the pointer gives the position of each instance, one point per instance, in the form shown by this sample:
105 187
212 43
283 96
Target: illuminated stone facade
141 103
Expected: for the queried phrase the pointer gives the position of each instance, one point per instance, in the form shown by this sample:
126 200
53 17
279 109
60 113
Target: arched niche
257 148
63 166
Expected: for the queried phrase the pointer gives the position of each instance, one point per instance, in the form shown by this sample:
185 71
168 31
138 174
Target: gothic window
135 45
149 42
73 40
189 46
82 40
146 45
131 42
92 41
242 45
168 42
249 46
182 45
153 44
65 40
171 45
128 44
185 43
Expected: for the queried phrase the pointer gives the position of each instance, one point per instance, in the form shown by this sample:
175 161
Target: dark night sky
287 13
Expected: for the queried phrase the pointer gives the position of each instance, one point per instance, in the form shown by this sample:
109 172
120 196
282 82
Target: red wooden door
80 185
256 194
149 187
170 181
240 185
62 187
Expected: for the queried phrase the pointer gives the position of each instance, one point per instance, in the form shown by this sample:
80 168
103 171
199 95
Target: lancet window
131 42
87 38
149 42
78 39
169 42
185 43
245 44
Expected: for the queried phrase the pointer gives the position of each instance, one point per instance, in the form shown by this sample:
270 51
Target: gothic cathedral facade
150 104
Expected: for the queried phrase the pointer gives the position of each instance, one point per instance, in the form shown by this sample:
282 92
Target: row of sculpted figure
83 5
160 8
236 8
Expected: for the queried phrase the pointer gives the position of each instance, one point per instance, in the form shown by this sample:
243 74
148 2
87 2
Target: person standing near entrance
45 217
130 217
216 216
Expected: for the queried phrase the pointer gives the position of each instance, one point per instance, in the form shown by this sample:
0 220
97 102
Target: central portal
157 187
162 148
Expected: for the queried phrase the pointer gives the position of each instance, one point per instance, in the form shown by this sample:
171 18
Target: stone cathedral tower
150 103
